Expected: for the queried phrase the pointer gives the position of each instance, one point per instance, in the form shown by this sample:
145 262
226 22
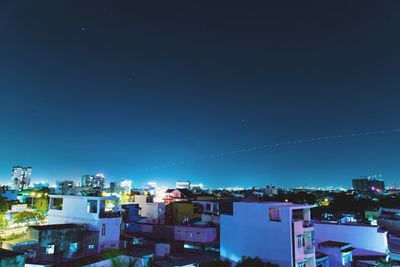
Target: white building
279 233
195 234
339 253
153 211
101 214
183 185
366 237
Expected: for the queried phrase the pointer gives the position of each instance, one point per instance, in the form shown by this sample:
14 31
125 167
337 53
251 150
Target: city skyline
131 90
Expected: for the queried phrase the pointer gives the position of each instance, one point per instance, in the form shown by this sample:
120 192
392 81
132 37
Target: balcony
112 214
308 251
307 224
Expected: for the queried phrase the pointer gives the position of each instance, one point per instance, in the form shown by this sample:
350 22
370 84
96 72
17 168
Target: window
215 208
275 214
103 230
50 249
109 205
92 206
73 247
91 246
208 206
346 258
299 241
301 264
56 203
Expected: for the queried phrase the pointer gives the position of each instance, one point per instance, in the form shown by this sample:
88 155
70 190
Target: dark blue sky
122 88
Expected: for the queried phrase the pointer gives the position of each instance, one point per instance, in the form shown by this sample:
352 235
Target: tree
41 204
219 263
3 205
383 263
28 216
254 262
3 222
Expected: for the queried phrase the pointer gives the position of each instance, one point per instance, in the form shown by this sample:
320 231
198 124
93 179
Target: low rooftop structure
11 258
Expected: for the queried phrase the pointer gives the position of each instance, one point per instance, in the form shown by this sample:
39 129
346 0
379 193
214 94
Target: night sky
132 88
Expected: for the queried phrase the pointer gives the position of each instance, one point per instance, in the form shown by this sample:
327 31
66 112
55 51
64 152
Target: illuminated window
50 249
91 246
275 214
73 247
346 258
56 203
109 205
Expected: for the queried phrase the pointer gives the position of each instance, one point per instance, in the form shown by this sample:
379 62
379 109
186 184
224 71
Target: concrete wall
364 237
195 234
213 206
162 249
335 256
249 232
154 212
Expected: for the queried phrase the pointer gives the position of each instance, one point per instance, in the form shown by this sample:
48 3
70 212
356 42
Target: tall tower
93 181
21 177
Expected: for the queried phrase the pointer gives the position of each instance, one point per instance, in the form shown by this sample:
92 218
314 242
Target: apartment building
101 214
276 232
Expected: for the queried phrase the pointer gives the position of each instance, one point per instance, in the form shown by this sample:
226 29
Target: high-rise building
183 185
368 184
112 187
126 185
21 177
271 190
93 181
64 187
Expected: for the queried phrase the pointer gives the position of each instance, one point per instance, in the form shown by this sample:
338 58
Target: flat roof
57 226
21 241
188 257
4 254
138 252
331 243
278 204
82 196
320 255
346 224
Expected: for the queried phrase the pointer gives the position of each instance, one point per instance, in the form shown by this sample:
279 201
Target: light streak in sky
275 145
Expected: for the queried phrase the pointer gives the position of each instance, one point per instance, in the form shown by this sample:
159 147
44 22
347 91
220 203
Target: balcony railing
308 250
307 224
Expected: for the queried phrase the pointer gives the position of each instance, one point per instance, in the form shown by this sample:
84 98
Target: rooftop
4 254
57 226
278 204
320 255
138 252
331 243
82 196
21 241
188 257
